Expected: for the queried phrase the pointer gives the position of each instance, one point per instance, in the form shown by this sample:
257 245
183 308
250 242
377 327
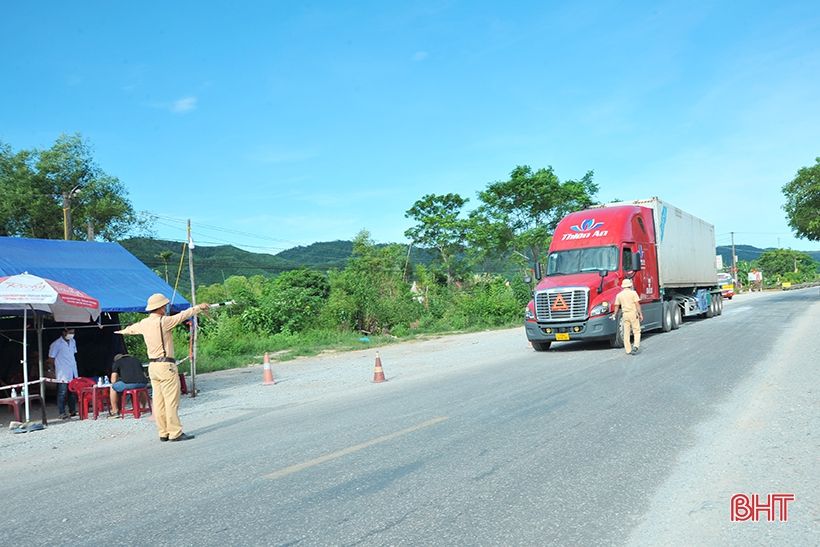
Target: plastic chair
136 402
16 403
99 399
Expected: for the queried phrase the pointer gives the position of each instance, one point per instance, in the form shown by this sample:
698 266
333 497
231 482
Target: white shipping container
686 246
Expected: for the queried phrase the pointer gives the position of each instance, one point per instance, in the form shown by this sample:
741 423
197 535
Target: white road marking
350 450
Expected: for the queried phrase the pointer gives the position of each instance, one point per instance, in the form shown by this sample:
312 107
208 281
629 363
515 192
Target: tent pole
25 360
39 323
194 321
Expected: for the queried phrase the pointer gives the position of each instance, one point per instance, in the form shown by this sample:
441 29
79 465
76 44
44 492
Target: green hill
212 264
321 256
215 264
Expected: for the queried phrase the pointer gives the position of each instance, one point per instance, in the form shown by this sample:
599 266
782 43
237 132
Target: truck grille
561 304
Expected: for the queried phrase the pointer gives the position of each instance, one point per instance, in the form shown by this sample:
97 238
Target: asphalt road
493 445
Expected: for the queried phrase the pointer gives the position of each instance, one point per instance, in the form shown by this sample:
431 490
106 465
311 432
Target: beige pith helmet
626 283
156 301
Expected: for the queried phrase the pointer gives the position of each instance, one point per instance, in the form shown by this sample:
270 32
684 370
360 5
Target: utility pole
66 215
194 321
90 232
406 262
734 259
67 227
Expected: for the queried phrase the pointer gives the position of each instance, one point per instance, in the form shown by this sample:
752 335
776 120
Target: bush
229 337
304 311
490 302
289 303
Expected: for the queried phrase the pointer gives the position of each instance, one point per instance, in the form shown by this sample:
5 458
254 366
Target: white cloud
183 105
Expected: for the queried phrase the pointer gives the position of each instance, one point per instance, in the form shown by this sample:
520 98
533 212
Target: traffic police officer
629 301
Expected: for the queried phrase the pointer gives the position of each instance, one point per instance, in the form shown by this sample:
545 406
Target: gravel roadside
763 440
223 394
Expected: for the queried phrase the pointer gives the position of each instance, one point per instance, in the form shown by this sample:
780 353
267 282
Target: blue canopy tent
105 271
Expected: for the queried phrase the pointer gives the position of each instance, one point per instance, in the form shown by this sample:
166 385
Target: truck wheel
677 318
666 321
541 346
710 309
720 304
617 339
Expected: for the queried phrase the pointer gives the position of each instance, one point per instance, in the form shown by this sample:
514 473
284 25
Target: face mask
69 336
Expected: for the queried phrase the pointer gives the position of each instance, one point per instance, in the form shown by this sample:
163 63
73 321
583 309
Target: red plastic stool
136 403
98 398
183 387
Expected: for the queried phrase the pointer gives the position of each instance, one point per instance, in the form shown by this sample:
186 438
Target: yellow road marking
350 450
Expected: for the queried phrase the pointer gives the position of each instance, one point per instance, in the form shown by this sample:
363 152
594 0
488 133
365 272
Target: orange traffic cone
267 373
378 373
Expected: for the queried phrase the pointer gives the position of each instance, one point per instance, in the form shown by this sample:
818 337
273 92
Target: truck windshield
592 259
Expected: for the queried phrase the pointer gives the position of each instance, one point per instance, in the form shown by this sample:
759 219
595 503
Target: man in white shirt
61 356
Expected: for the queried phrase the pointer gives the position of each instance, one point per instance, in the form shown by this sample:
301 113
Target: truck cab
591 252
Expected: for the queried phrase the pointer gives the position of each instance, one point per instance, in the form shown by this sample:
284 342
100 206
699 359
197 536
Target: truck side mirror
537 270
603 274
636 262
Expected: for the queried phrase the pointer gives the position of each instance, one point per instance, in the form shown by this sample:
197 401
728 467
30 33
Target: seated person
126 373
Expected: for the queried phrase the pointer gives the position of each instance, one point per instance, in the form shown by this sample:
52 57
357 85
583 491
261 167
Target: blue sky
275 124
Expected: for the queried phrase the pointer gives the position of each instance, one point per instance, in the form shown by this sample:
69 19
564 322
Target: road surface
474 440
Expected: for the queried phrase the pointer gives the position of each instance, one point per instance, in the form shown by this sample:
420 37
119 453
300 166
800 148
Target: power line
211 227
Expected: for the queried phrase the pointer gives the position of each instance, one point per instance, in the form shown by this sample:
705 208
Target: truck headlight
600 309
528 314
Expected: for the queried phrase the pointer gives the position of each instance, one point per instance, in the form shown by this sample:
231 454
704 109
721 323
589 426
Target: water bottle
99 381
106 380
13 393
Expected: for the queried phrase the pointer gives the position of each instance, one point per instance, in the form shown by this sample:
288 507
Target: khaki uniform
157 330
629 300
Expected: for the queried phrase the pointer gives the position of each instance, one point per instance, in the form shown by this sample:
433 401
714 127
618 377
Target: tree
439 225
787 265
803 202
519 215
370 294
165 256
44 190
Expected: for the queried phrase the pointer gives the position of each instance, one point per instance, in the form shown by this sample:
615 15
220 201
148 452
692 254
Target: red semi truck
668 254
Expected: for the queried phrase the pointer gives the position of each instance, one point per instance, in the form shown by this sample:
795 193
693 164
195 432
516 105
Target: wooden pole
407 262
194 321
66 216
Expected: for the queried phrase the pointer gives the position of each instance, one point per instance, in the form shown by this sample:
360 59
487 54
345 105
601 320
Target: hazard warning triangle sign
559 304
